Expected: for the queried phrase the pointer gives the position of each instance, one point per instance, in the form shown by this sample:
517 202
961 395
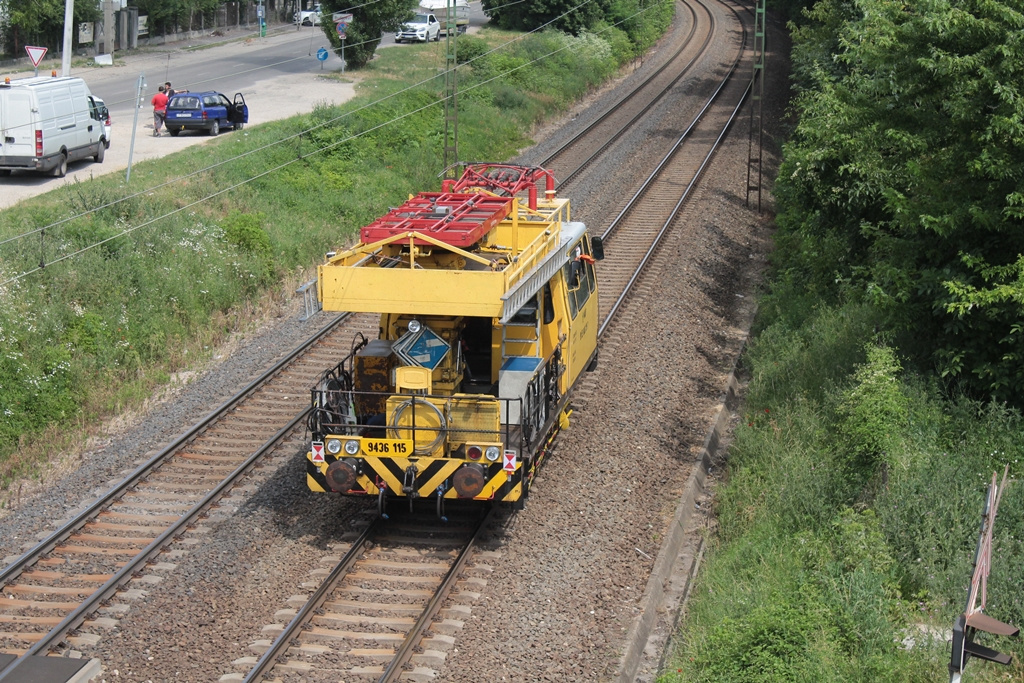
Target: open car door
239 112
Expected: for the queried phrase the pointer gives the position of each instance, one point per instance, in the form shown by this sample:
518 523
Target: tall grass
145 286
849 517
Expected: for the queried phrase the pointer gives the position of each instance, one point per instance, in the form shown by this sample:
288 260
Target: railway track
315 652
53 587
372 610
61 581
571 158
639 228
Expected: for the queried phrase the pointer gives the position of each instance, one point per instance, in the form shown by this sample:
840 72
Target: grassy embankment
849 514
157 273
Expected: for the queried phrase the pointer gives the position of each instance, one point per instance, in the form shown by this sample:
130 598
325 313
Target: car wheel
214 127
61 169
437 36
174 132
100 153
239 126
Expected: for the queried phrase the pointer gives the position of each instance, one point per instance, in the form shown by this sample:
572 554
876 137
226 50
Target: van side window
579 276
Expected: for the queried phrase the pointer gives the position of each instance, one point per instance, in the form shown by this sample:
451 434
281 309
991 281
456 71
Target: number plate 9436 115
387 446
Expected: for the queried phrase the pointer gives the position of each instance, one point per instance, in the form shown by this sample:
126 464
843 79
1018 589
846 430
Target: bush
874 411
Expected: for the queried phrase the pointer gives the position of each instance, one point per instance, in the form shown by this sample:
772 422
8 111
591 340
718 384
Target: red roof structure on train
456 218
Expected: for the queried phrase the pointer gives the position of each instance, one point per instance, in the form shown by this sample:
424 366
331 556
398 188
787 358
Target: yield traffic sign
35 54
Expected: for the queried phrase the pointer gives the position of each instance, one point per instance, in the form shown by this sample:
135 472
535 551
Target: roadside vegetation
143 280
885 373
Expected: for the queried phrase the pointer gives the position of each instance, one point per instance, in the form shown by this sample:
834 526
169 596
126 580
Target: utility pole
109 30
69 23
135 124
451 92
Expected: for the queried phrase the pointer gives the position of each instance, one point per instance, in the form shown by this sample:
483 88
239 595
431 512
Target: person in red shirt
159 110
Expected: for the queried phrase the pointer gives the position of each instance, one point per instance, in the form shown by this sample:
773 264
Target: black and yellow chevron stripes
431 473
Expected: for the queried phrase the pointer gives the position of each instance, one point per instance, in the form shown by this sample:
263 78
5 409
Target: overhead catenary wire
308 130
327 147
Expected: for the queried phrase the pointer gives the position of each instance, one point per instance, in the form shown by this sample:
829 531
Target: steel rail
633 93
110 587
656 173
294 627
672 217
394 670
126 573
404 651
670 155
46 545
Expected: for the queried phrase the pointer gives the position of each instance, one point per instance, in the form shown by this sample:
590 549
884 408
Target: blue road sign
341 28
322 54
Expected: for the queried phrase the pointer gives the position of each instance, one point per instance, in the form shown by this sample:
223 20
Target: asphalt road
279 76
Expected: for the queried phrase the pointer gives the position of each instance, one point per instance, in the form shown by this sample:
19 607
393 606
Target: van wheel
174 132
214 128
100 153
239 125
61 169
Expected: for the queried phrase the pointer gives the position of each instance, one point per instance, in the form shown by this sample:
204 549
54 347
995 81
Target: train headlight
415 326
351 447
333 446
474 452
492 453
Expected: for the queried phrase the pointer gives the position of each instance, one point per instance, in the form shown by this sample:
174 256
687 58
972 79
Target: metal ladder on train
512 324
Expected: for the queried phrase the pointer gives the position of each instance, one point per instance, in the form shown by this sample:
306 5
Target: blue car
208 111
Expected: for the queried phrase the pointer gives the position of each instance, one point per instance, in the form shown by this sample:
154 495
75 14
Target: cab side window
579 276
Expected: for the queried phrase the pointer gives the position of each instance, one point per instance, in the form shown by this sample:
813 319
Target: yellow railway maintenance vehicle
488 316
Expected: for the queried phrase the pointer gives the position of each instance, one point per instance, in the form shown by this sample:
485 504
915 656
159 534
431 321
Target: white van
46 123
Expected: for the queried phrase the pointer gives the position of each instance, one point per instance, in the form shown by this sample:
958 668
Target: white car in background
104 114
309 17
422 28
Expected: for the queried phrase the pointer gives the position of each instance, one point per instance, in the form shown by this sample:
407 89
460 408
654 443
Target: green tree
168 15
570 16
369 21
903 180
40 22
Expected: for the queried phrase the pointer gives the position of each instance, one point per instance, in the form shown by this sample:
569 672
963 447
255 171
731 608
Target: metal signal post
973 620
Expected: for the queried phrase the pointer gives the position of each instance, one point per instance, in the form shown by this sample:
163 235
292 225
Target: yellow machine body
488 316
